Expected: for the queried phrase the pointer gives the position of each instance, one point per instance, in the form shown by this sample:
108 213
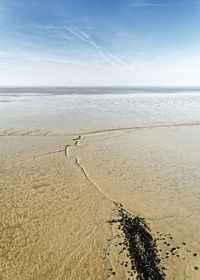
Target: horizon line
100 86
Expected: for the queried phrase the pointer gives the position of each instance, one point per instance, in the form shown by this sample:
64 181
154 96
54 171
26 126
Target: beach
87 197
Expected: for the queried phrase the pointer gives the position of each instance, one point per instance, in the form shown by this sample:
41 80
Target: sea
86 109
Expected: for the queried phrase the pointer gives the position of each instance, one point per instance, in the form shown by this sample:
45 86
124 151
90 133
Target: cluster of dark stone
141 246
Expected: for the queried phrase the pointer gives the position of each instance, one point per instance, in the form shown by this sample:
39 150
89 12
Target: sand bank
58 195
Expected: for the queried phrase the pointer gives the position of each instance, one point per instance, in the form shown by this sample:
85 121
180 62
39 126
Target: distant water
15 91
80 109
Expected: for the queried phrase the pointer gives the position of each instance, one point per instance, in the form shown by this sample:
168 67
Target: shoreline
38 132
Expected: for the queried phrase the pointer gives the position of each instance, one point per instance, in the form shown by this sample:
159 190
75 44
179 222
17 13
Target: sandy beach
99 196
62 199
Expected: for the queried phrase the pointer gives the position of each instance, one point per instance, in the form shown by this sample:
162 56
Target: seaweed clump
141 246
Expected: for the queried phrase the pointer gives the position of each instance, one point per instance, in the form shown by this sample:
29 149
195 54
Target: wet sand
88 206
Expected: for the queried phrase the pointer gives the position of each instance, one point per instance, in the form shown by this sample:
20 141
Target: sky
99 42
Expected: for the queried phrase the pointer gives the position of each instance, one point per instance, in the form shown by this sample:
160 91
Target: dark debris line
141 246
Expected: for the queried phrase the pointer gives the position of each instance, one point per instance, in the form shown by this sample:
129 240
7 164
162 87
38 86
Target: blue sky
104 42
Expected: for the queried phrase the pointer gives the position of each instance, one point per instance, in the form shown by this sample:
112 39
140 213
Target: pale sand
56 201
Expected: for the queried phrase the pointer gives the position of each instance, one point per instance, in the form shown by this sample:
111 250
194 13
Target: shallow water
87 109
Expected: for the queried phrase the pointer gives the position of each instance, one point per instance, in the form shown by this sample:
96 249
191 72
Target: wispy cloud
105 55
150 4
35 57
108 57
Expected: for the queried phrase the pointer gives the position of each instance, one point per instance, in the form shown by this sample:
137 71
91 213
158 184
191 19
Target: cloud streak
144 4
113 60
35 57
106 56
